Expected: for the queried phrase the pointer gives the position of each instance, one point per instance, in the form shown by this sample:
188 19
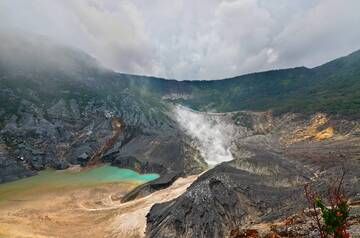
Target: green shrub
331 218
335 217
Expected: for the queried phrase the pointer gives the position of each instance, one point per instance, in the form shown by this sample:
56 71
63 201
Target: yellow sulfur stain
325 134
311 131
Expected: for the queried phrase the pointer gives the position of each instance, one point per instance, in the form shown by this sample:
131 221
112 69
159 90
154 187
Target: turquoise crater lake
56 179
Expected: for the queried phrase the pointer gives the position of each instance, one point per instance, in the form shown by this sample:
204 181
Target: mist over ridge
193 41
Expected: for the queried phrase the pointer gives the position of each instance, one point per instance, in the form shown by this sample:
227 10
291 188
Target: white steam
212 135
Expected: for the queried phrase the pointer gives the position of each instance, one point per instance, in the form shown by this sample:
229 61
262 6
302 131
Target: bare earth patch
82 212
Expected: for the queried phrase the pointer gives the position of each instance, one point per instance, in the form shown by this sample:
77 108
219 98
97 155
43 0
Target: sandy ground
82 212
130 220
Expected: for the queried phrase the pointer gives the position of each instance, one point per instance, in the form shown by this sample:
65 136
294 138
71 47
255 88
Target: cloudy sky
193 39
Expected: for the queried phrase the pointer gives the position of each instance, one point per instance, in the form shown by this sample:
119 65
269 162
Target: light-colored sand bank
88 211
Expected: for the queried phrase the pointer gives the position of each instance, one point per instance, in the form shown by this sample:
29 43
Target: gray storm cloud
186 39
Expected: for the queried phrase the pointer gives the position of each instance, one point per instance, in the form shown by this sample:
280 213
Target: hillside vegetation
333 88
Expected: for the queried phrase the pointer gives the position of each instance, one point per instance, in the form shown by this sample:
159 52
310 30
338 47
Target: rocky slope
273 158
58 107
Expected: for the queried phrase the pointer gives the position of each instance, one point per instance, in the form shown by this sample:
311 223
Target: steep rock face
273 159
172 157
10 168
61 136
56 104
57 111
220 199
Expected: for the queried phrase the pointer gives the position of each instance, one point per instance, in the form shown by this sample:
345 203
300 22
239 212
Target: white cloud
326 31
194 39
116 34
272 55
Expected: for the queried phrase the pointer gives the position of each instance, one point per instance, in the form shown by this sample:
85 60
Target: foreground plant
332 217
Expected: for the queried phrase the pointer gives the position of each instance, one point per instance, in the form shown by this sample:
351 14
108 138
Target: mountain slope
57 106
333 87
56 103
273 158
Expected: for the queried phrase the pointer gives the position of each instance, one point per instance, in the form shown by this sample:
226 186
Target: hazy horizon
185 40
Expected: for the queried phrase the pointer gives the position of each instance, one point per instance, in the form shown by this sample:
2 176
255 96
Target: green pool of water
54 179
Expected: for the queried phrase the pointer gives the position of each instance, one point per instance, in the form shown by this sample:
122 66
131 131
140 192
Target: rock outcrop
265 181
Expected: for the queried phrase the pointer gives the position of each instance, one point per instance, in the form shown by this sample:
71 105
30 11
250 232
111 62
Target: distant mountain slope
43 73
333 88
56 106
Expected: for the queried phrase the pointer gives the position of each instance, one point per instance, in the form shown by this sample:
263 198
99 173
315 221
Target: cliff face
273 158
35 137
57 106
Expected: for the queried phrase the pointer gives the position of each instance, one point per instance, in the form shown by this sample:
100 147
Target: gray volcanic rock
168 156
69 130
11 169
225 198
57 106
274 157
219 200
57 111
